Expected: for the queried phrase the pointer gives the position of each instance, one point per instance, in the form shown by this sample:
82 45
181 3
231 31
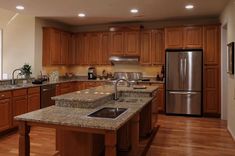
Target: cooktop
108 112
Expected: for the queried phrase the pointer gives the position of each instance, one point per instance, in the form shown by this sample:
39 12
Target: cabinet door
94 48
55 49
5 114
117 43
211 45
158 48
174 38
65 42
105 49
19 106
82 48
132 43
72 50
145 57
33 102
211 89
193 37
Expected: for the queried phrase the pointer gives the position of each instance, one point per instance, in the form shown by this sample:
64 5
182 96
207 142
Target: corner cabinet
55 46
125 43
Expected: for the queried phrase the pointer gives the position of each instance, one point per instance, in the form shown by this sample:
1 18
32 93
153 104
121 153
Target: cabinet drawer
4 95
20 92
34 90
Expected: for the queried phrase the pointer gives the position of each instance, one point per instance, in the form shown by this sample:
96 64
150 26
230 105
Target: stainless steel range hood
124 60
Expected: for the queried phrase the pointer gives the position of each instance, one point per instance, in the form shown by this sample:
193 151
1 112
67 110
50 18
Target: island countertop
78 117
96 93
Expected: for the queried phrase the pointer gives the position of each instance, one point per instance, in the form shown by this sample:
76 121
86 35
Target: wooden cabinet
55 47
105 49
117 43
146 50
72 50
174 37
193 37
184 37
152 47
19 102
160 98
125 43
64 45
94 48
82 45
211 44
158 47
33 99
5 110
211 90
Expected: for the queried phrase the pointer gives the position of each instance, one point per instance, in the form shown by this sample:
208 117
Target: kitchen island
80 134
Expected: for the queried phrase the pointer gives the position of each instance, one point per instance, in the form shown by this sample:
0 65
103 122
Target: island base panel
78 143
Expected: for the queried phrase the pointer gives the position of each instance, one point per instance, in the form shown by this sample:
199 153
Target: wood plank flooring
177 136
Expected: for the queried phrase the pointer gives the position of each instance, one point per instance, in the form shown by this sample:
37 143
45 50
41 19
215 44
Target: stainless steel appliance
47 92
92 74
184 82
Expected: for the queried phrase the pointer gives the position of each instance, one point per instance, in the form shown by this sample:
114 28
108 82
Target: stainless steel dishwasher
47 92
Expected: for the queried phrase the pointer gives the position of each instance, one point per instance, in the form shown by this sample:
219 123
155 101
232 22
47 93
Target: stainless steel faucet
13 73
115 87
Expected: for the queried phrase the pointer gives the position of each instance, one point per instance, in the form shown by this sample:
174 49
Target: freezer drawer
188 103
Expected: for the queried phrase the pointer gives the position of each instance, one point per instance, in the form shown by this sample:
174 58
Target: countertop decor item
230 58
26 70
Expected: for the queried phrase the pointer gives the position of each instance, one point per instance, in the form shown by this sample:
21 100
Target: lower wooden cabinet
5 111
211 90
33 99
19 103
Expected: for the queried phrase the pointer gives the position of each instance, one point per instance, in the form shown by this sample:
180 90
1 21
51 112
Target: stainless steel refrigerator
184 82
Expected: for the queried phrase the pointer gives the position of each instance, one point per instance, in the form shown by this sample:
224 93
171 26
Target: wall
18 40
228 18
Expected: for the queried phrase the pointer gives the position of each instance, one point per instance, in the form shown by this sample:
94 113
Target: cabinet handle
2 95
44 90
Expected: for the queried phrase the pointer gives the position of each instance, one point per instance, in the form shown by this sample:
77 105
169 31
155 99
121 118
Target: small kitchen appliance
92 74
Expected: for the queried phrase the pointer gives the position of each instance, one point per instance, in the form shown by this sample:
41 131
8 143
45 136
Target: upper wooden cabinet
82 45
152 47
174 37
158 47
105 49
211 44
184 37
125 43
55 47
193 37
94 48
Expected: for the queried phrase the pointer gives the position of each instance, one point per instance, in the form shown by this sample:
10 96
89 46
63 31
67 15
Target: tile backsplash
150 71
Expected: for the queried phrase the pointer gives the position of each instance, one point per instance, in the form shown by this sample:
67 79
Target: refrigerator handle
185 68
183 93
181 72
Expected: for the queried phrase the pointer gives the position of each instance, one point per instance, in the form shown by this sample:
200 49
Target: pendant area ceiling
108 11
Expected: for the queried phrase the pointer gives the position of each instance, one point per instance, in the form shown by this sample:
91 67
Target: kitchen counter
78 117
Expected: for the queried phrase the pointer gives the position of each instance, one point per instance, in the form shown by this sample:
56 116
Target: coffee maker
92 74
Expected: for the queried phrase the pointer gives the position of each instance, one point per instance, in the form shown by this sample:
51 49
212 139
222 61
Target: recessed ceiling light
134 11
20 7
189 6
81 15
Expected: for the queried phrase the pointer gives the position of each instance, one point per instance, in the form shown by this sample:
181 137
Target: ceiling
109 11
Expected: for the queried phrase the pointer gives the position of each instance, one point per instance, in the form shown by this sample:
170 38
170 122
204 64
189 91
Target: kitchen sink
108 112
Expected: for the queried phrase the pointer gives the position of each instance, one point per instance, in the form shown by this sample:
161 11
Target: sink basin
108 112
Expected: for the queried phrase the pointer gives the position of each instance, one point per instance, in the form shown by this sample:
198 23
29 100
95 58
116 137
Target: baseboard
233 136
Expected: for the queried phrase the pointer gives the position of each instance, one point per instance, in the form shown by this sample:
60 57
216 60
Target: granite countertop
29 85
78 117
96 93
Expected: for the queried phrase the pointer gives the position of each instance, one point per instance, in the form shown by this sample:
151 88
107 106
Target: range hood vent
124 60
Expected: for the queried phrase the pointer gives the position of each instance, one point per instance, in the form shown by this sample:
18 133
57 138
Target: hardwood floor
177 136
186 136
